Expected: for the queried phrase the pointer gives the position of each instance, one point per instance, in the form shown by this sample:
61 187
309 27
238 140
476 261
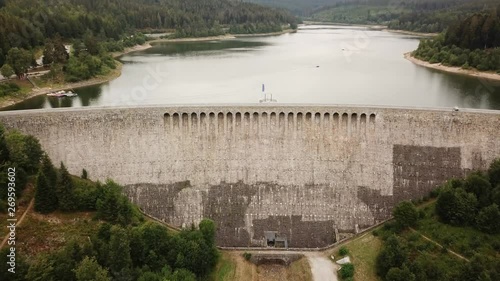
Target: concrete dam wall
304 173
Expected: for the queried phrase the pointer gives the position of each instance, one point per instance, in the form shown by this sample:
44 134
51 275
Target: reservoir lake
316 65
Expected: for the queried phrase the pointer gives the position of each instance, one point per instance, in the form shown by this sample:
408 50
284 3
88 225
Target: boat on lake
56 94
70 94
61 94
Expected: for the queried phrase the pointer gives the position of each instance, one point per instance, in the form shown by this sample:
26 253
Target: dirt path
440 246
30 206
322 268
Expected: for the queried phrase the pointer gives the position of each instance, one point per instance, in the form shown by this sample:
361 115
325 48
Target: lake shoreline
398 31
384 28
370 26
117 72
222 37
453 69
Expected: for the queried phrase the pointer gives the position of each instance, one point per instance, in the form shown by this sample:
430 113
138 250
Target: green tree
41 269
481 267
20 60
495 195
65 190
137 247
183 275
4 151
456 206
84 174
33 150
488 219
207 228
112 206
60 54
7 71
2 55
405 214
394 254
91 43
26 151
90 270
119 251
66 260
156 245
48 53
44 197
400 274
49 171
494 170
479 186
78 47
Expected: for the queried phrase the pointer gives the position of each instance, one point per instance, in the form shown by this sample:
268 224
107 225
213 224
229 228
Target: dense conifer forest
471 43
31 28
27 23
419 16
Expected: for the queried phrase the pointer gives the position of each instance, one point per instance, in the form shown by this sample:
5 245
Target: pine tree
48 53
84 174
4 151
45 193
119 251
44 200
65 190
60 53
49 171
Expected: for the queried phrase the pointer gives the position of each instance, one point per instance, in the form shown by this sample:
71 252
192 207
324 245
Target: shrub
247 255
343 251
406 214
488 219
347 271
8 89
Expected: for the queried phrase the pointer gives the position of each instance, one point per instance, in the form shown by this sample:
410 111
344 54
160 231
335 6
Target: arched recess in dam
303 172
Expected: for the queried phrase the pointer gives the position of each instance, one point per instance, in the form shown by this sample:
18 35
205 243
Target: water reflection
87 96
310 66
203 48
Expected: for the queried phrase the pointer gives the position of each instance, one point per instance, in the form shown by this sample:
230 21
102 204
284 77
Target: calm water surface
318 64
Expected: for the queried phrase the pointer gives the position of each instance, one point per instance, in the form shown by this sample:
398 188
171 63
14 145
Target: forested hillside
454 237
27 23
420 16
32 28
473 42
86 231
298 7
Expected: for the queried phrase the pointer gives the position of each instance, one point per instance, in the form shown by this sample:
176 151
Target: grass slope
363 252
464 240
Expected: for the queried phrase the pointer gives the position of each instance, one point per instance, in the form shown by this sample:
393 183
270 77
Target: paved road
322 268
